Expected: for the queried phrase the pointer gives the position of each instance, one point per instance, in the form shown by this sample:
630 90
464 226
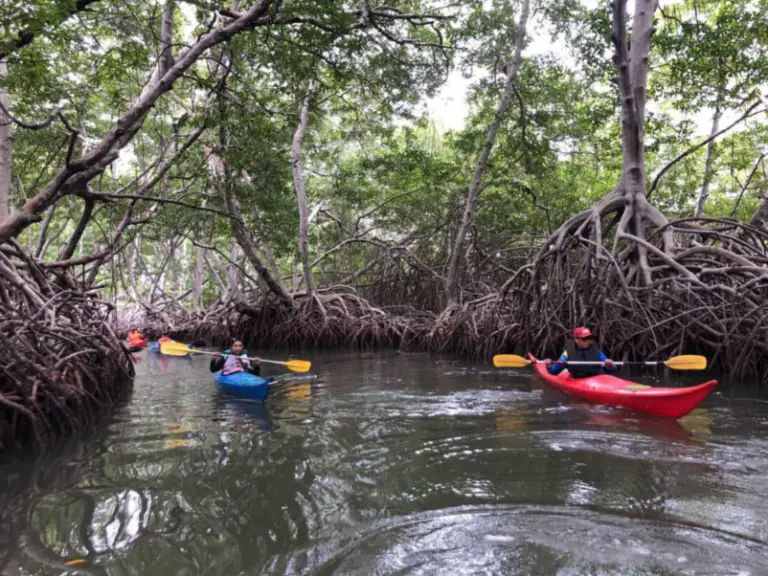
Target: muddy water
391 464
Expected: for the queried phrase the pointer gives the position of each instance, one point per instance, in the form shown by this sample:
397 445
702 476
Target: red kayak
613 391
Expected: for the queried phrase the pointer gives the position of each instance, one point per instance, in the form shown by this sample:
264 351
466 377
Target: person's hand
548 362
256 361
608 363
217 354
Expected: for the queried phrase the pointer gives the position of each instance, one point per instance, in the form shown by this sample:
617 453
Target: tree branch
746 184
67 252
25 37
125 128
748 114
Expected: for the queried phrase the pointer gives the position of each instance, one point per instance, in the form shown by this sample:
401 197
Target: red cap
582 332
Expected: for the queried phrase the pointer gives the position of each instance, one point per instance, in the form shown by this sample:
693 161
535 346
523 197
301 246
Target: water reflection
390 464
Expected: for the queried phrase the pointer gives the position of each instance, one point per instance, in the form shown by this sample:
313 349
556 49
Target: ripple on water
526 540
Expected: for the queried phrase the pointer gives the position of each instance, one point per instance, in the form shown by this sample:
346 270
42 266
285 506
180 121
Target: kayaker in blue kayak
235 360
581 349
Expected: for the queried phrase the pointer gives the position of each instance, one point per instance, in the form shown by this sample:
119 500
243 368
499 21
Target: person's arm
609 368
559 365
217 363
255 367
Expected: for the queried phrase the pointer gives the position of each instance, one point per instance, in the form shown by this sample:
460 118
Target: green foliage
376 170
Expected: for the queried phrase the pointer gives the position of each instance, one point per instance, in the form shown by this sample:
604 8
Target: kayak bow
243 384
613 391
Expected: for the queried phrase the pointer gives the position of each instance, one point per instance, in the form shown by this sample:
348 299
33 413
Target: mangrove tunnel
472 178
271 272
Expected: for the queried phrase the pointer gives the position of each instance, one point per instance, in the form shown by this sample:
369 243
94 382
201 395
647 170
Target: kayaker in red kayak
581 349
234 361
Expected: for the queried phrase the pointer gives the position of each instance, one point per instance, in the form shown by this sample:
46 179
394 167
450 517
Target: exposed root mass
62 364
705 291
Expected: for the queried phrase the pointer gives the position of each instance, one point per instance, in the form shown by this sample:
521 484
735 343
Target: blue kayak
243 384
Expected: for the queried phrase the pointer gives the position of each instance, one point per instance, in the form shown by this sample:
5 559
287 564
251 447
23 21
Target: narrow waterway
388 463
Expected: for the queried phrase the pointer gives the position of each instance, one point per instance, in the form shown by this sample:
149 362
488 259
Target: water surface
391 463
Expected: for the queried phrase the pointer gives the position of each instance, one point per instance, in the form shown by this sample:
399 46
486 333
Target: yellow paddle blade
687 362
510 361
174 349
298 365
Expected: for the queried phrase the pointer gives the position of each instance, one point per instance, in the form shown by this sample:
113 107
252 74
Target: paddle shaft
582 363
196 351
683 362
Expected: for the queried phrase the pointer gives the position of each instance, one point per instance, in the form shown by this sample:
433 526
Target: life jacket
235 364
576 354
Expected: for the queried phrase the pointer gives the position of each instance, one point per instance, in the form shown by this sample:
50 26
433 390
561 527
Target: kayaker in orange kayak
234 361
135 336
581 349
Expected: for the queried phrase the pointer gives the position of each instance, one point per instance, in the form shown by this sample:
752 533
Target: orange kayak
613 391
140 343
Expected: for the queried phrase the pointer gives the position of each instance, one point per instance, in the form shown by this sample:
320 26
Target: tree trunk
241 234
233 291
159 282
197 281
295 281
6 147
760 217
301 196
215 274
128 258
43 236
69 250
704 193
219 171
166 40
632 71
457 253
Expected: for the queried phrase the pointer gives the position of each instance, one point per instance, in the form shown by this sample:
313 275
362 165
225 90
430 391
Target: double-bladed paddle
179 349
685 362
